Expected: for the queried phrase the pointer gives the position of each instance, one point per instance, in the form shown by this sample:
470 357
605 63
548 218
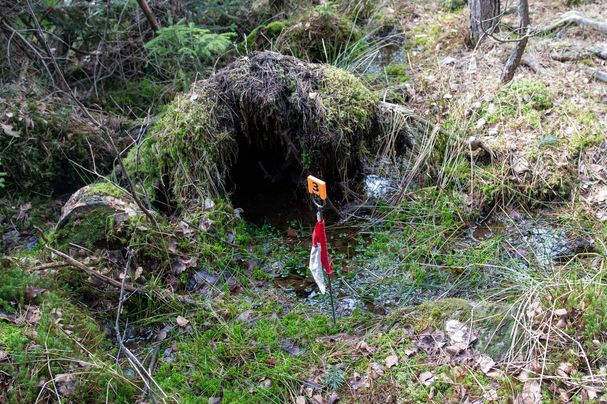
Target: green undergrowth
264 357
46 145
55 337
525 100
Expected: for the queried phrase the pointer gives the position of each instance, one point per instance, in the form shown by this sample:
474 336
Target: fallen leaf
214 400
531 392
300 400
318 399
137 274
333 398
375 370
564 369
288 346
180 264
65 383
459 333
182 321
391 361
9 131
359 382
485 363
491 395
244 316
365 348
31 293
426 378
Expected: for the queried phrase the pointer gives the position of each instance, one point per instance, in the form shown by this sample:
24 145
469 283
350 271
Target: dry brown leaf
375 370
426 378
182 321
65 383
460 334
9 131
531 392
137 274
485 363
391 361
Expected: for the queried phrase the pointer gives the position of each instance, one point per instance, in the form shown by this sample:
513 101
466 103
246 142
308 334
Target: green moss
275 27
453 5
189 151
349 105
134 98
588 129
12 287
88 229
51 144
105 188
397 72
322 36
232 359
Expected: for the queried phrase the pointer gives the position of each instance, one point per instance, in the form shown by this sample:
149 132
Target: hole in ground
266 185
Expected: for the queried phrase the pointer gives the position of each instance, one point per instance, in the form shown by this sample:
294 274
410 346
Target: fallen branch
597 74
147 378
573 18
568 56
598 52
162 294
532 63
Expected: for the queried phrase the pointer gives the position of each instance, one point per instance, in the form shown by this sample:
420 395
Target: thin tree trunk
149 15
484 16
515 57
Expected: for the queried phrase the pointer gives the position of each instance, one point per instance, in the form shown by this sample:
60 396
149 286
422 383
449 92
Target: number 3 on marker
317 187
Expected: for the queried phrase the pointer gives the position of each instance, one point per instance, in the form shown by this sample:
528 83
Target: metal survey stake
319 254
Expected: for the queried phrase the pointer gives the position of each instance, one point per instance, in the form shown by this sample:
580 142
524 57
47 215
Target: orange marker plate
317 187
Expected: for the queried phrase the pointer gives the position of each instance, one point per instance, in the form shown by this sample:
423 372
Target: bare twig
149 15
162 294
139 368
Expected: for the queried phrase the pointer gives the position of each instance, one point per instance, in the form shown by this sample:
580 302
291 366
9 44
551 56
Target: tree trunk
149 15
523 32
484 16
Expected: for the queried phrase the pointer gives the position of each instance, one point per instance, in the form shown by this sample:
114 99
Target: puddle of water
377 186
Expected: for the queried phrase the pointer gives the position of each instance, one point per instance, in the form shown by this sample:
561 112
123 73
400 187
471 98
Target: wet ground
520 246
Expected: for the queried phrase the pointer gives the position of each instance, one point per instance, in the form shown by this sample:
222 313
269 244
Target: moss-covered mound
47 146
268 114
322 36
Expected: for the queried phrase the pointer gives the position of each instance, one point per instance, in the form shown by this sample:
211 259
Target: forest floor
488 286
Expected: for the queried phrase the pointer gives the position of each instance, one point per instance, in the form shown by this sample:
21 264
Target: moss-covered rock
96 216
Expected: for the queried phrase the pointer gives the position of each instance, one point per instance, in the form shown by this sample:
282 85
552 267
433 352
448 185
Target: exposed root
573 18
597 74
598 52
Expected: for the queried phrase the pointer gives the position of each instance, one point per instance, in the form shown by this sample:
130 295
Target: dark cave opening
268 183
